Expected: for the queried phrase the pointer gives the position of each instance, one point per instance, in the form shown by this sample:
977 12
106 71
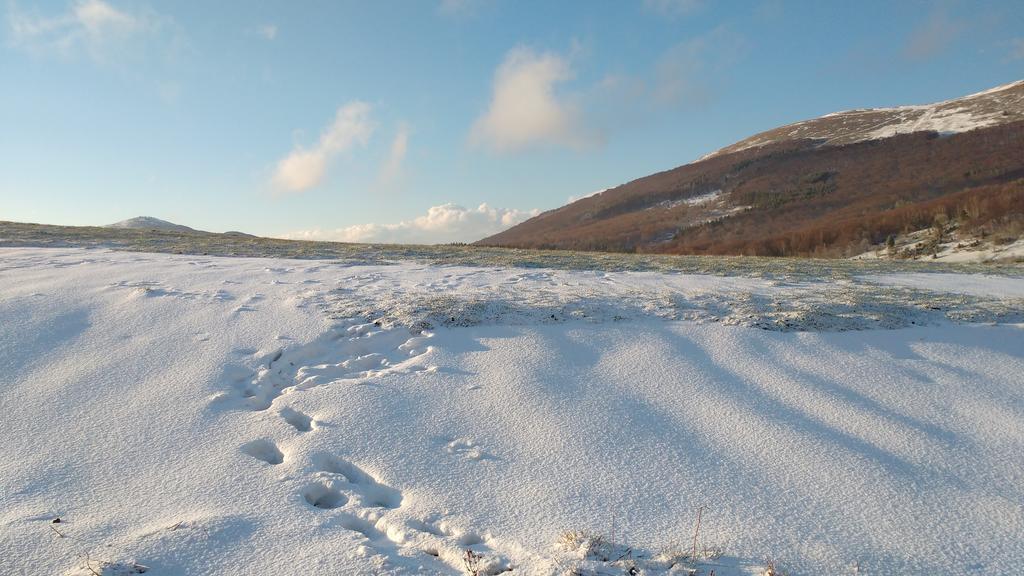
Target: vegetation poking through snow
586 553
16 234
957 238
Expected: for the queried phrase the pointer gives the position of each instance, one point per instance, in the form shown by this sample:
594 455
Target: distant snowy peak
999 105
150 223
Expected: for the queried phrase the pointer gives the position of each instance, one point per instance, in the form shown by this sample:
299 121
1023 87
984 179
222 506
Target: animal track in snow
369 492
324 496
264 450
364 504
348 352
427 527
466 448
345 495
446 543
297 419
153 289
248 304
364 526
222 295
371 351
468 539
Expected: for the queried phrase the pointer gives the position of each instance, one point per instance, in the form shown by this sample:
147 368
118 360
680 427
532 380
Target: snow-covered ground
954 250
974 284
202 415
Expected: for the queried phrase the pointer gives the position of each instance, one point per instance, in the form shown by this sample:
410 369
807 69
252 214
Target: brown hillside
792 197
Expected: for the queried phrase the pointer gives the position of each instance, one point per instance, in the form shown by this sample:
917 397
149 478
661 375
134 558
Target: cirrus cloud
686 72
304 168
932 36
392 168
441 224
91 27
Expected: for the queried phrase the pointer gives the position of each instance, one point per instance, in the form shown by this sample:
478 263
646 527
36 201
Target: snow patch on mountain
150 223
999 105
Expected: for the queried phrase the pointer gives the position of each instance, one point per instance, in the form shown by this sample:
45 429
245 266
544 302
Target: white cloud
99 18
92 26
441 224
524 108
304 168
391 170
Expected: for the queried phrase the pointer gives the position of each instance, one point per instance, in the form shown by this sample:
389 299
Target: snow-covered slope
150 223
999 105
955 247
200 415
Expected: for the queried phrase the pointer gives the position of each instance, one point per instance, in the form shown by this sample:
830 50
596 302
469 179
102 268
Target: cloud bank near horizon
441 224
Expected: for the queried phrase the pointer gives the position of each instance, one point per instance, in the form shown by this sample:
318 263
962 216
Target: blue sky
435 120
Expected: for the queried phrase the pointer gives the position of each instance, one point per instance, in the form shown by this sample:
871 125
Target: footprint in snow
247 305
264 450
369 492
439 539
296 419
324 496
467 449
222 295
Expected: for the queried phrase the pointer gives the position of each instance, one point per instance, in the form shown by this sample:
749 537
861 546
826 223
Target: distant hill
150 223
831 186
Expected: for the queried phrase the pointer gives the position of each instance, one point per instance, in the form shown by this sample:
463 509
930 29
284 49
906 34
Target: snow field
235 416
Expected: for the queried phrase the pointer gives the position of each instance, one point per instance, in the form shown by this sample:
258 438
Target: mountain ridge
769 194
998 105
